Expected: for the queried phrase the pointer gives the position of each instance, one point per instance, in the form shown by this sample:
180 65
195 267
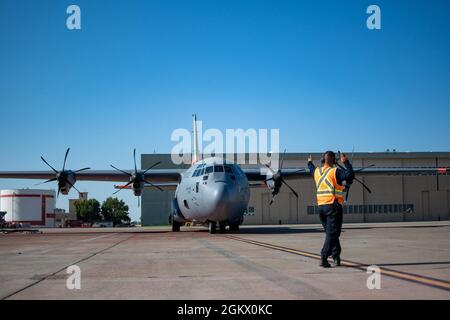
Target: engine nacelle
274 185
66 180
270 184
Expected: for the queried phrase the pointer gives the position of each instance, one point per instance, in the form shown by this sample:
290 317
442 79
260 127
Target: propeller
278 179
64 177
347 186
137 178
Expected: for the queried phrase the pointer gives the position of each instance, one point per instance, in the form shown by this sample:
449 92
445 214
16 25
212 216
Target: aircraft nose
220 194
221 203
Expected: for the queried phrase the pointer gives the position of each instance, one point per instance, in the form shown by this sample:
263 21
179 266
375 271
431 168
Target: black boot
324 262
337 261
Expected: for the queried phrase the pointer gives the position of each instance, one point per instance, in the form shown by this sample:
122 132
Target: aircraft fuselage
212 190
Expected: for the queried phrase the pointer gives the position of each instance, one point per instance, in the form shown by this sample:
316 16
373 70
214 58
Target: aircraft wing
255 175
162 185
414 171
156 175
27 175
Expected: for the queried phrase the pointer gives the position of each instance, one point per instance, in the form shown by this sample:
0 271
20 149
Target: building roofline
356 155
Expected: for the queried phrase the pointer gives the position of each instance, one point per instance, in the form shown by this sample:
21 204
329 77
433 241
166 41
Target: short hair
329 153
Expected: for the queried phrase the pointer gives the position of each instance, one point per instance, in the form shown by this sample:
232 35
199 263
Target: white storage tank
29 206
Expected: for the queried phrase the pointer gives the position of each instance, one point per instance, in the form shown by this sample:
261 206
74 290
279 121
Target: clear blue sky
138 69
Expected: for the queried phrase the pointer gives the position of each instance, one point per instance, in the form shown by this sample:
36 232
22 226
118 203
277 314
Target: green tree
115 210
88 210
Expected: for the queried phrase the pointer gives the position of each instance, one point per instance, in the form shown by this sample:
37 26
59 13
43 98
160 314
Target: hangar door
283 210
425 205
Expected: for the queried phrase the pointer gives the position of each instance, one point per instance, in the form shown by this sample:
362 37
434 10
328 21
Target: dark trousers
331 217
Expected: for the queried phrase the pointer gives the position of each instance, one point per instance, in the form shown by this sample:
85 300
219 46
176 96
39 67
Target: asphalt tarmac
259 262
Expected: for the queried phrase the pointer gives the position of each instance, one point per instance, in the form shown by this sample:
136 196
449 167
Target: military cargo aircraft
213 191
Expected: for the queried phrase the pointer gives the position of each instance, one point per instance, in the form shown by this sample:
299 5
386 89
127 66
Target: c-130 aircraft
213 191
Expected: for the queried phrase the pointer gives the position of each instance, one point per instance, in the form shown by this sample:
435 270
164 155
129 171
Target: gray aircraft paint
216 196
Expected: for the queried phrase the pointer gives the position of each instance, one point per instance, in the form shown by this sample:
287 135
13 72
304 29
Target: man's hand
310 158
344 158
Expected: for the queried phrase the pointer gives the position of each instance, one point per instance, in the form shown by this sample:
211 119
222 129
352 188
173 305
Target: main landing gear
212 227
234 227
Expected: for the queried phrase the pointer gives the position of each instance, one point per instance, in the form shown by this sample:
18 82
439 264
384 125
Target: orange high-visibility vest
328 190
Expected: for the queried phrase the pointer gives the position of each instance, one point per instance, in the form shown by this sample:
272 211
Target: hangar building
393 198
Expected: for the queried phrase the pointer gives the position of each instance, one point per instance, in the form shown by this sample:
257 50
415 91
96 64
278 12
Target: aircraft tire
175 226
234 227
222 227
212 227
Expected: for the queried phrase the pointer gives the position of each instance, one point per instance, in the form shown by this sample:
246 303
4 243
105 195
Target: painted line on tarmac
411 277
99 237
65 268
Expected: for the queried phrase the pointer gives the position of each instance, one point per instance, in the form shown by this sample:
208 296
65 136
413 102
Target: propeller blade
70 183
84 169
124 187
347 193
65 158
300 170
364 168
271 170
157 163
356 179
124 172
362 183
59 189
134 156
139 202
56 171
282 159
287 185
49 180
148 182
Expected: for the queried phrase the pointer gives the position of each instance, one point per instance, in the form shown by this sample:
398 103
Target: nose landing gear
222 227
212 227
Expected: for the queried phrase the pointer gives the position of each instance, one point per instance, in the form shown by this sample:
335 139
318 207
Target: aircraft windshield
208 170
199 170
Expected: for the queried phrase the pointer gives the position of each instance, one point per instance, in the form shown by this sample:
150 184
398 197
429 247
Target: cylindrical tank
29 206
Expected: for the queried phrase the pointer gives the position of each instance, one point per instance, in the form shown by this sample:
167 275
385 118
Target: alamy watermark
261 145
73 21
74 280
374 280
374 20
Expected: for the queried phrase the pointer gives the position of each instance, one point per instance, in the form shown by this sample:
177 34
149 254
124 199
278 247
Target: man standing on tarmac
330 182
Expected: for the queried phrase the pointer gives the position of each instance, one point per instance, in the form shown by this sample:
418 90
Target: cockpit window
208 170
228 169
218 168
